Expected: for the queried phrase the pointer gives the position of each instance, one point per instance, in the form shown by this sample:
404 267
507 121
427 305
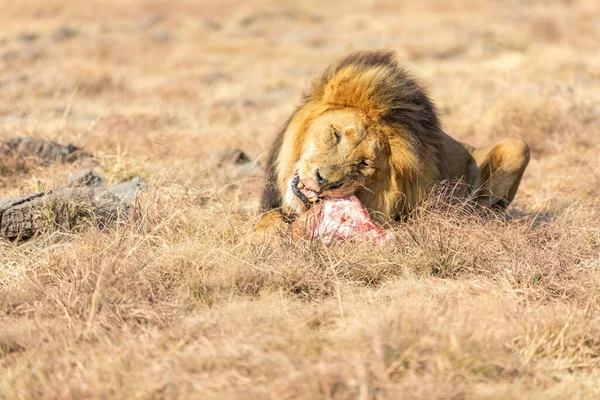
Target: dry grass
172 305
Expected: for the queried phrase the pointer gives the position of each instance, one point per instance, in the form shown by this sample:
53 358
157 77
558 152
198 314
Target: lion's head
364 128
339 155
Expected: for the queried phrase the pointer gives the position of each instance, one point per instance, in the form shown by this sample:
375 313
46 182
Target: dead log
43 150
66 209
21 153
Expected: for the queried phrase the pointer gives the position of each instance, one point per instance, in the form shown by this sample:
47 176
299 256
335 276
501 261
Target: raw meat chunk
340 219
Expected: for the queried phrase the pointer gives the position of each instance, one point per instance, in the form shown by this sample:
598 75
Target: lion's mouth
306 195
309 196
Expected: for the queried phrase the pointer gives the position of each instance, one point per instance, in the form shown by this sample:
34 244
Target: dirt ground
172 304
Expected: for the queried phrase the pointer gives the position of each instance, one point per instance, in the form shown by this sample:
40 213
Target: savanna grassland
172 304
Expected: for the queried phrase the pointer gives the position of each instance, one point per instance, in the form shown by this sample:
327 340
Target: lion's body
388 148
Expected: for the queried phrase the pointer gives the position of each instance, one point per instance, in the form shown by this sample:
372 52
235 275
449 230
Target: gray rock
85 177
157 33
148 21
64 33
46 151
227 155
214 77
28 37
161 35
127 191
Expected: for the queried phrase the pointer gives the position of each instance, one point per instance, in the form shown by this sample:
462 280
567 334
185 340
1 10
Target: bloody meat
340 219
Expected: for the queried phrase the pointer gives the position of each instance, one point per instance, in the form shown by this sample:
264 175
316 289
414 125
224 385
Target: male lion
367 128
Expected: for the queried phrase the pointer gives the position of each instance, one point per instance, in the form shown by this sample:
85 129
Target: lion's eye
337 134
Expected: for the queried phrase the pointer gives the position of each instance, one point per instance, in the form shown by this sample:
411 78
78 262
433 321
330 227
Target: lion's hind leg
500 167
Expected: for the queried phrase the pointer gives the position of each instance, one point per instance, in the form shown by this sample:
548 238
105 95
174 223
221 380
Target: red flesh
342 218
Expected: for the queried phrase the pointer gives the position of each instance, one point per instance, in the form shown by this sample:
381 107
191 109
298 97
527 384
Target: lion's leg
500 167
270 228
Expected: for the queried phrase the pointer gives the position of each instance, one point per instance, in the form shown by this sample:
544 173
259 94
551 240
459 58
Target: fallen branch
67 208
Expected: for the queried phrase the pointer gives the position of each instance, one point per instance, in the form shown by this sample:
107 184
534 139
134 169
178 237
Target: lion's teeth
300 185
313 199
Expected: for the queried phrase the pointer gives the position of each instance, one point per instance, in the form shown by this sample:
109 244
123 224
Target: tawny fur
386 117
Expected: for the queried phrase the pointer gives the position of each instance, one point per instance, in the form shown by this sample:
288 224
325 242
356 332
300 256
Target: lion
367 128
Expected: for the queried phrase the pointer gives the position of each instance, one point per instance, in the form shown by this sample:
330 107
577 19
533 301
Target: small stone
214 77
201 200
127 191
148 21
28 37
33 54
8 346
9 55
211 24
161 35
85 177
64 33
228 155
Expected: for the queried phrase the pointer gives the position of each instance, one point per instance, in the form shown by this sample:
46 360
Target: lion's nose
320 179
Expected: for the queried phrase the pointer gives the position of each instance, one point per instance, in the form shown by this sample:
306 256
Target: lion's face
339 155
